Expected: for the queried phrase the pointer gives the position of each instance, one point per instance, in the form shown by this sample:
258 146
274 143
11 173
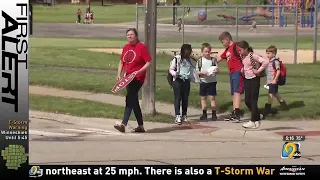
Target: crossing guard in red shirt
135 57
231 54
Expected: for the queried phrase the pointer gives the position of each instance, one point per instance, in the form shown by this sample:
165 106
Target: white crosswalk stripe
50 134
75 132
100 131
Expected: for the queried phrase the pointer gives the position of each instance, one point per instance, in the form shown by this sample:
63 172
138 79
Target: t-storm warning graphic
14 155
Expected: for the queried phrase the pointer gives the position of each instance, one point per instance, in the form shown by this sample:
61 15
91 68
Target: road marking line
46 133
102 131
79 130
99 131
96 131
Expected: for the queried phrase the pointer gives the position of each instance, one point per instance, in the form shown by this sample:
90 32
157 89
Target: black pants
132 103
79 19
181 90
251 90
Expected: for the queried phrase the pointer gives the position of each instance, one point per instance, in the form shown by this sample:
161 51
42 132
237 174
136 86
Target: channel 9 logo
35 171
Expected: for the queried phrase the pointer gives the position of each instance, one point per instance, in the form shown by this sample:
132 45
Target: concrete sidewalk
103 98
268 130
64 139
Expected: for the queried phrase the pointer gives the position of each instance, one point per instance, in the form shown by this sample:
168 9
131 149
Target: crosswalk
50 134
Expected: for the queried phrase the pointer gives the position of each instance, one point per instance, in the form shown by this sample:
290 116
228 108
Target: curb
246 134
256 134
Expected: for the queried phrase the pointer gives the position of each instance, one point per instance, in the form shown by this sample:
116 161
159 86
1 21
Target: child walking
252 70
179 25
208 81
254 26
273 74
231 54
181 69
91 17
79 16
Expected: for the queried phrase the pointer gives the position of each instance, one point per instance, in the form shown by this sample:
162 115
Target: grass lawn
85 108
66 13
76 43
83 59
64 52
300 92
286 42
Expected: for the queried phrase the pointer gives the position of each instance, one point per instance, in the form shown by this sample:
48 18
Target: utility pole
30 18
315 23
174 12
148 90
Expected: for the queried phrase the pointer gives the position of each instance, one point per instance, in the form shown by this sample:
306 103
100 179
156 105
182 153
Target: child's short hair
205 45
225 35
272 49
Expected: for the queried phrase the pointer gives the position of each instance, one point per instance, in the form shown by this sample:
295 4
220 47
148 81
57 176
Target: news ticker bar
172 170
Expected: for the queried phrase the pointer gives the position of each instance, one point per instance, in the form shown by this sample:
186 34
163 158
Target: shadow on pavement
178 128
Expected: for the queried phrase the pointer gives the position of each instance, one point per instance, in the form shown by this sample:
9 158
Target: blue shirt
185 69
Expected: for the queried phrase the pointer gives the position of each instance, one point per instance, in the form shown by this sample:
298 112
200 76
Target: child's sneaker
203 117
214 117
236 118
178 120
267 109
230 117
284 106
184 118
266 86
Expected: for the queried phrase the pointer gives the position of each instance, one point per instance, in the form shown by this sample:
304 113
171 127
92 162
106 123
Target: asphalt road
163 30
72 140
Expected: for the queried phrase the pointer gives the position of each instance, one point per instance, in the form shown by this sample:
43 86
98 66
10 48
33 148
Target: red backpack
283 72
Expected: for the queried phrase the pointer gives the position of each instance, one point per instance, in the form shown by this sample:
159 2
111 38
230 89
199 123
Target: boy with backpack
276 76
207 68
231 54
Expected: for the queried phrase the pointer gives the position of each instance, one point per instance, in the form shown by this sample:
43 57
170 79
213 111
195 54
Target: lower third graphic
291 150
35 171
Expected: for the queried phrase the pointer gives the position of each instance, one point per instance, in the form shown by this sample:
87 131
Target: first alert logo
244 171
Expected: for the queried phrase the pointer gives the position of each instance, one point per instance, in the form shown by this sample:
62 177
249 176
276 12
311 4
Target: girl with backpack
253 67
183 72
